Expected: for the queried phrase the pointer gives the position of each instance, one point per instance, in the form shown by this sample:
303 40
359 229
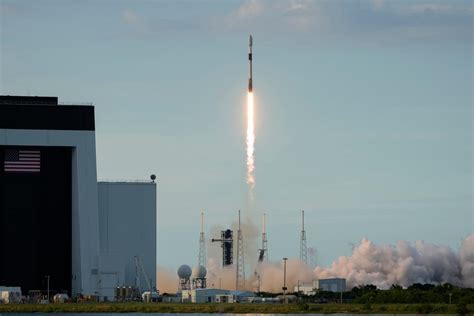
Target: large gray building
329 285
55 220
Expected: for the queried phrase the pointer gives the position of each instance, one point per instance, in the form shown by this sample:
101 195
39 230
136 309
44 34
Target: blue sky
364 110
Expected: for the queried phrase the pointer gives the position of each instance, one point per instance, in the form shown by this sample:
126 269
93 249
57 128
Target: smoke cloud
403 264
167 280
467 261
369 263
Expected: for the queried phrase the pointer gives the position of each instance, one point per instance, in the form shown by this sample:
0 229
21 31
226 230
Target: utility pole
303 249
284 288
202 244
240 267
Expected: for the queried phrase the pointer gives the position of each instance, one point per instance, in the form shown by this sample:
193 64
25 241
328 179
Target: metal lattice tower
240 267
303 249
202 244
264 249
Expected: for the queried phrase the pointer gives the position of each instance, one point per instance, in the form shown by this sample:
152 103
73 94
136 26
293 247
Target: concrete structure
54 205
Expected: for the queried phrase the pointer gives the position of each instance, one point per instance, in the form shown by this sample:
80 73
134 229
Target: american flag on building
19 160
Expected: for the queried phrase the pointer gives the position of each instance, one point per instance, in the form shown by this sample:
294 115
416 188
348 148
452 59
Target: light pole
450 294
284 280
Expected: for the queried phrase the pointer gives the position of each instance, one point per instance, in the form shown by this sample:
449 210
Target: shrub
424 309
461 309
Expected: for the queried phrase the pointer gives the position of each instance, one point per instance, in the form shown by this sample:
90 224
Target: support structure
227 245
202 244
240 267
303 248
263 252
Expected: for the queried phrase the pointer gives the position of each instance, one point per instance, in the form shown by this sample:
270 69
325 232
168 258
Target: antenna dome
184 271
199 272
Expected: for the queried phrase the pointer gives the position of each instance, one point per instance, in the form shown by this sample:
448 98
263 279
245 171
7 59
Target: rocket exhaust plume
250 138
250 141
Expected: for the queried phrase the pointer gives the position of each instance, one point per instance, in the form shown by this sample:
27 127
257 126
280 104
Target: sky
363 111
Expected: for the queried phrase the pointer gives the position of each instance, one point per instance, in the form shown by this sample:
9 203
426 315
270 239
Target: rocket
250 63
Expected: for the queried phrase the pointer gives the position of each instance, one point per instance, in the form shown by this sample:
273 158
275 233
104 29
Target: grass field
237 308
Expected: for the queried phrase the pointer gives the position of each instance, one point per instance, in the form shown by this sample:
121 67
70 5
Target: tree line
396 294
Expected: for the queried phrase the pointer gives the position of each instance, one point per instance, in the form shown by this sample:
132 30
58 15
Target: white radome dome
199 272
184 271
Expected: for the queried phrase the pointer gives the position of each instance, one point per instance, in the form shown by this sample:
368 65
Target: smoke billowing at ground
381 265
404 264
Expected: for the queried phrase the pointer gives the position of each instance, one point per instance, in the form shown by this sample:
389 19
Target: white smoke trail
250 142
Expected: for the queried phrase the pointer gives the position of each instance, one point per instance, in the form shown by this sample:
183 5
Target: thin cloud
250 9
134 21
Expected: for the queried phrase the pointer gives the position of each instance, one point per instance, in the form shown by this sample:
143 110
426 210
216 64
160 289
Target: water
188 314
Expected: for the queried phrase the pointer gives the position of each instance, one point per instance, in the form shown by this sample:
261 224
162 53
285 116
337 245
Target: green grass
234 308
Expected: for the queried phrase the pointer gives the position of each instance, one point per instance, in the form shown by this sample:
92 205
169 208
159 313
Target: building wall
202 295
332 285
127 226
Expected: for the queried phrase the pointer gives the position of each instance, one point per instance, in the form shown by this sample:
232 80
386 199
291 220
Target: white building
215 296
202 295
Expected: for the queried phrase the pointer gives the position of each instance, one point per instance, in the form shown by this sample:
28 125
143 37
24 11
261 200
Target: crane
139 268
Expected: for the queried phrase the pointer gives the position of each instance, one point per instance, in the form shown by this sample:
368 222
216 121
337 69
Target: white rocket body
250 63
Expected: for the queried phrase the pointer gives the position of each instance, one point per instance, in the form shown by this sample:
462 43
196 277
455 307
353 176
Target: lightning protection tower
202 244
240 267
303 249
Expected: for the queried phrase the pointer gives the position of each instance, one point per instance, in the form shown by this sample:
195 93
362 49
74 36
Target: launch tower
303 248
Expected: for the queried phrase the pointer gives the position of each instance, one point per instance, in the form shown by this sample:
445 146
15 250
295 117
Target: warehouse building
56 221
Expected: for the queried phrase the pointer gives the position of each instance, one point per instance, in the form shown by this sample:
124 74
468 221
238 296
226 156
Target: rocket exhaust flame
250 142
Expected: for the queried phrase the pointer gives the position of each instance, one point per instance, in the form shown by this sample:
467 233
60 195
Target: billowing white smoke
467 261
402 264
382 265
